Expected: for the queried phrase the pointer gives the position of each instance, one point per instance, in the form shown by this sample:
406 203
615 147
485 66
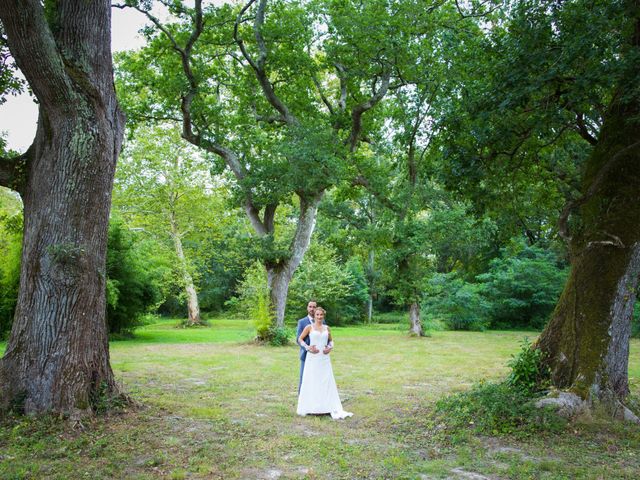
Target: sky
18 116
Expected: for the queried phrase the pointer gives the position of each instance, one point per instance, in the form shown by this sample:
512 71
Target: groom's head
311 307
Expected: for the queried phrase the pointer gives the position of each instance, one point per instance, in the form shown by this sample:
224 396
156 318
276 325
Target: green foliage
10 251
635 322
261 314
280 336
253 301
504 408
340 289
10 83
459 304
522 286
137 277
528 373
519 290
495 409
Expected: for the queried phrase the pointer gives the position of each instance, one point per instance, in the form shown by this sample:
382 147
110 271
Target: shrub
507 407
261 316
340 289
496 409
280 336
137 277
458 304
522 287
528 373
253 302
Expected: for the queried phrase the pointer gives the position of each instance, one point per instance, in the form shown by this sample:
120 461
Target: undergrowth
503 408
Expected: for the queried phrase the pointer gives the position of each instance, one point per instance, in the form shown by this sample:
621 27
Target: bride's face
319 316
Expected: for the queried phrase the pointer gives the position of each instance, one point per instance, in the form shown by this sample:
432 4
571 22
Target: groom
302 323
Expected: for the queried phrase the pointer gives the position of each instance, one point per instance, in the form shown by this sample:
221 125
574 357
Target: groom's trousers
301 370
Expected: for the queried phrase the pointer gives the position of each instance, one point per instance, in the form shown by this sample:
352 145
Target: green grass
215 405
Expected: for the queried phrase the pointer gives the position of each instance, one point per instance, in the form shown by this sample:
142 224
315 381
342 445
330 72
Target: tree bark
193 308
279 275
57 357
587 338
414 318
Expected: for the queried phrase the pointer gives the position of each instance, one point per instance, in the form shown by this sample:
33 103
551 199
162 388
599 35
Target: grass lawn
217 406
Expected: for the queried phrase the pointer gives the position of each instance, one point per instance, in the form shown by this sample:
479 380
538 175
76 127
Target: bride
318 392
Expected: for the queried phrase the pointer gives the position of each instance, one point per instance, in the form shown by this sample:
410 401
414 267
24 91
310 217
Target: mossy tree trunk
57 357
587 338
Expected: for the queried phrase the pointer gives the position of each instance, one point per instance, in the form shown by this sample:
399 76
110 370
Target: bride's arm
302 336
329 345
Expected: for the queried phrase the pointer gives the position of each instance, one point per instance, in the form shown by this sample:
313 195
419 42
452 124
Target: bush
253 303
340 289
458 304
507 407
137 278
528 373
496 409
280 336
523 286
261 315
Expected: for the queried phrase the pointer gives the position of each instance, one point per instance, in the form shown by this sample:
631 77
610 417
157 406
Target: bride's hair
319 309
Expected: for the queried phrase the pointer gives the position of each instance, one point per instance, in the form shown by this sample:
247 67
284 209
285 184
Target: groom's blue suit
303 322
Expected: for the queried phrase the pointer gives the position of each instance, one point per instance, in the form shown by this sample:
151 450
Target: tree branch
154 20
29 37
13 171
571 205
258 65
269 216
474 13
342 102
185 56
583 131
358 110
325 100
362 181
304 230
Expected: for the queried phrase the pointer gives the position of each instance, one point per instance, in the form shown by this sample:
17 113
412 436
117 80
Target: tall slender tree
162 186
57 357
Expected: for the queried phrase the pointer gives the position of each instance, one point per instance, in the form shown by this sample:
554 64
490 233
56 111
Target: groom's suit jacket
303 322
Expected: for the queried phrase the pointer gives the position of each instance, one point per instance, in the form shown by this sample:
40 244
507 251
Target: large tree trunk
57 357
279 275
587 338
278 279
414 318
193 308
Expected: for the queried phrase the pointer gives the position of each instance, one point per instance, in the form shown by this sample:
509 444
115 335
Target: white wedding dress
318 392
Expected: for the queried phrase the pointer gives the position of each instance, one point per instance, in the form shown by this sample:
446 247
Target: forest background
447 212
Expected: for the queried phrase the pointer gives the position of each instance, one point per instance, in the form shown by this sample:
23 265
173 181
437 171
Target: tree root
570 405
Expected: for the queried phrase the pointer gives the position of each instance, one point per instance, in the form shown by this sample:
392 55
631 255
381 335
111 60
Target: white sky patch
19 114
